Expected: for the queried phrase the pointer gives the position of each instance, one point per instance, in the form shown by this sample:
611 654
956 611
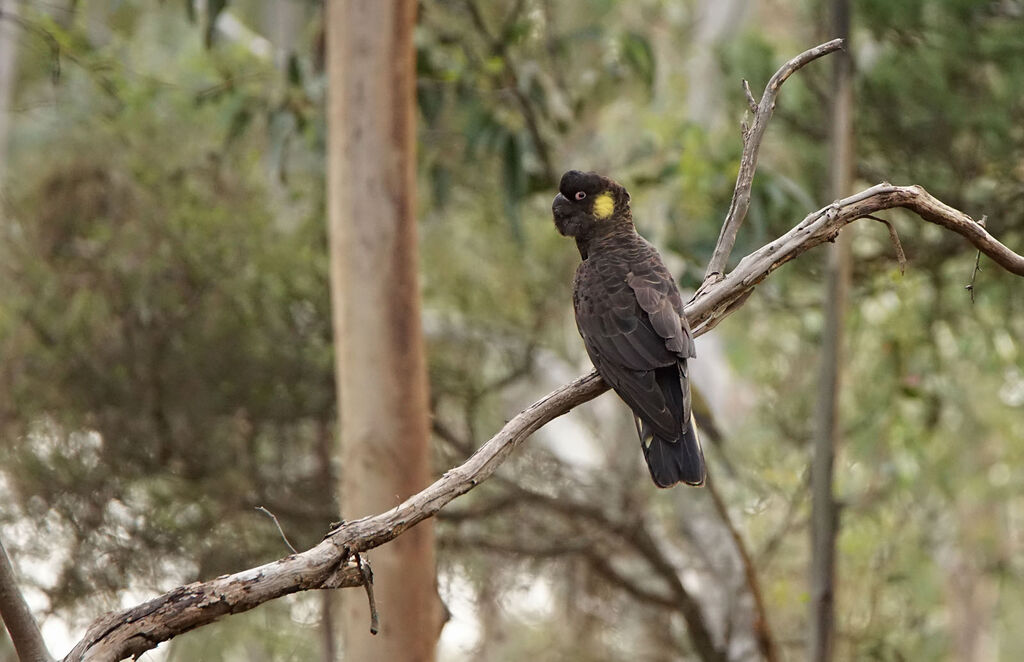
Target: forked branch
752 136
716 301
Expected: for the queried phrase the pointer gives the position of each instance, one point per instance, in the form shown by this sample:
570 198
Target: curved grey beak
560 206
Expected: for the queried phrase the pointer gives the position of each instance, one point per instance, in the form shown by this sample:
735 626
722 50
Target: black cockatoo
630 314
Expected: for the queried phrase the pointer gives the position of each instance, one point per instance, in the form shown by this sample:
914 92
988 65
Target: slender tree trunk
824 510
17 617
330 601
972 595
381 368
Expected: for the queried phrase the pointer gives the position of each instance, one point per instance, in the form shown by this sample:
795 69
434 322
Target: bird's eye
580 195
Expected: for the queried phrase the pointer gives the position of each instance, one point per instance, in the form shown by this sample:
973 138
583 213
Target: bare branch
751 101
28 641
279 529
333 563
977 264
367 574
715 301
131 632
336 561
901 257
632 534
752 137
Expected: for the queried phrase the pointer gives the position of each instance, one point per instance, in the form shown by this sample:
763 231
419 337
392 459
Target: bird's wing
657 295
634 336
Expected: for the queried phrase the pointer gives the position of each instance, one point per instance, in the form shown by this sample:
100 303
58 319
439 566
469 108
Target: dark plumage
630 315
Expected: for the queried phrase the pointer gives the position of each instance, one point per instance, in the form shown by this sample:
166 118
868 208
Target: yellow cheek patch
604 205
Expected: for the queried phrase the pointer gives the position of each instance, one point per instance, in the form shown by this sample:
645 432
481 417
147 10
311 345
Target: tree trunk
381 369
824 510
16 616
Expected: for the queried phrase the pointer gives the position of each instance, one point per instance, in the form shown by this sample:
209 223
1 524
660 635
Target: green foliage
165 328
498 82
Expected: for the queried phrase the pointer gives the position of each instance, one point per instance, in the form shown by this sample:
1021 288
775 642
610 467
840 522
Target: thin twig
977 264
367 574
901 257
751 101
748 161
279 529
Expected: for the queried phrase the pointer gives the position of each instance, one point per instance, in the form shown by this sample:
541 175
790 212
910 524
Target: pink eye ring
580 195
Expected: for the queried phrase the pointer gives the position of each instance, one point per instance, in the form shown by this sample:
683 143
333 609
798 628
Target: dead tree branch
752 137
717 300
277 523
334 563
629 534
331 564
977 265
28 642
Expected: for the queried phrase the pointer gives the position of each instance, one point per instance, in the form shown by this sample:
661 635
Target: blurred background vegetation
165 335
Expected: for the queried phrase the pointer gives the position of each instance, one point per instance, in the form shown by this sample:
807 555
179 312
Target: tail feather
673 461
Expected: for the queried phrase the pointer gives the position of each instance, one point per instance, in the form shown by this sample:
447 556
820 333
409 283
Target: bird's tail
673 461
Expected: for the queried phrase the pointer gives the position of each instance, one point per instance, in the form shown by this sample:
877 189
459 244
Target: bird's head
588 203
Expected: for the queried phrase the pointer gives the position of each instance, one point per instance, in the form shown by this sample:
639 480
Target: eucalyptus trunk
381 369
